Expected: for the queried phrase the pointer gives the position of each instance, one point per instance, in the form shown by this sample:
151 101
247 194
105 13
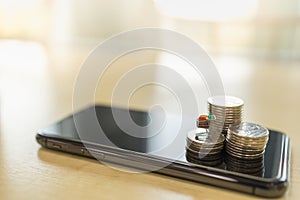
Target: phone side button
85 152
56 146
53 145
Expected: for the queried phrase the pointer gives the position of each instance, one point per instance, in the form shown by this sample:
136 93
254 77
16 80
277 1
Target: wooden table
36 91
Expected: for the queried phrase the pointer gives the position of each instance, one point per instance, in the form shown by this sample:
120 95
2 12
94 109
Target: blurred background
44 42
252 27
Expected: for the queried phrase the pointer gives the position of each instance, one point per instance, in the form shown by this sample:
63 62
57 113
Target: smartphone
164 152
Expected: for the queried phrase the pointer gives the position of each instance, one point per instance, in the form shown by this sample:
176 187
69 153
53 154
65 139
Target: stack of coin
245 146
246 166
228 110
204 148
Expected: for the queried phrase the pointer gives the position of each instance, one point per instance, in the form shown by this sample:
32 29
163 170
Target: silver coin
202 152
241 137
226 117
204 155
217 145
206 139
225 101
242 144
245 145
227 123
242 140
211 149
224 109
249 130
246 153
248 145
245 150
241 155
221 116
206 163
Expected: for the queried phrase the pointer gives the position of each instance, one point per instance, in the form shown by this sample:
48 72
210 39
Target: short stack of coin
245 146
204 148
228 110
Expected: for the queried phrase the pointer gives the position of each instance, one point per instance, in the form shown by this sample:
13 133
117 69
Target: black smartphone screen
168 142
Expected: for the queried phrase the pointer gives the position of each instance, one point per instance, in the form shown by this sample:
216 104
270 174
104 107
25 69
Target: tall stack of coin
245 146
227 110
204 148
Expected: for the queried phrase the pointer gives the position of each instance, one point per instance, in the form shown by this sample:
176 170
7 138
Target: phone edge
275 189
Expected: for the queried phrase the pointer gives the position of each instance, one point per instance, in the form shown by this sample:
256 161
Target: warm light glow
61 20
22 57
208 10
18 3
23 18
